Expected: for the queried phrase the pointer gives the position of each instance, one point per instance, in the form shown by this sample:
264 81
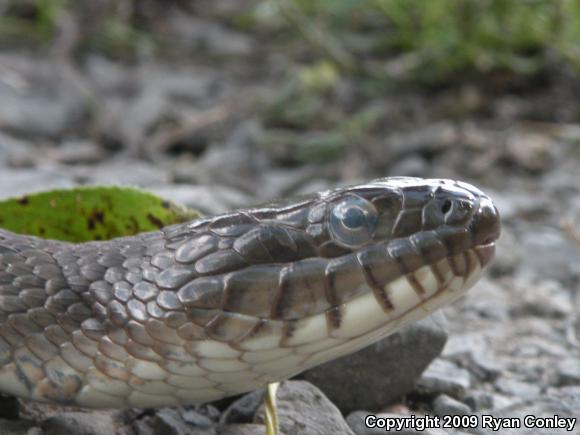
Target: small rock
563 402
411 166
210 199
229 164
517 388
15 427
531 151
38 96
501 401
444 377
425 140
203 415
170 421
445 405
123 172
547 298
108 76
478 400
75 152
568 372
15 182
81 423
304 410
279 183
382 373
243 409
551 255
16 152
243 429
465 344
534 346
489 300
138 118
470 350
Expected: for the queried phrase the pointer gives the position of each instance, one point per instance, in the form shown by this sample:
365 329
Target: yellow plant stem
271 414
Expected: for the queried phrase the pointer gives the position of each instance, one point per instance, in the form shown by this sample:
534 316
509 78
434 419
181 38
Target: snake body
224 305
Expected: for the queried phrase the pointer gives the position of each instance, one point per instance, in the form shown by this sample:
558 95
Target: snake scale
226 304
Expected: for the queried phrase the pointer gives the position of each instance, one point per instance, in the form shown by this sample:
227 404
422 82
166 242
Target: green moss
90 213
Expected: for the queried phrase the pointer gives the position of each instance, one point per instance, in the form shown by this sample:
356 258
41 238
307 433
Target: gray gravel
193 131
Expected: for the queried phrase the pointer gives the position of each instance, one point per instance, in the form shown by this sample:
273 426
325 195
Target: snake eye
353 221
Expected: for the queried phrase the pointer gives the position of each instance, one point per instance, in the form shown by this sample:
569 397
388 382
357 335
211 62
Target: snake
227 304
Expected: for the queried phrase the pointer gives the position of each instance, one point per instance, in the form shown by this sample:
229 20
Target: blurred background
225 103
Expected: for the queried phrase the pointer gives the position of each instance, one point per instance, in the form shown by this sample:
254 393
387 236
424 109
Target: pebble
514 387
445 405
564 402
411 166
568 372
243 409
208 199
16 427
16 182
42 106
14 151
444 377
80 423
489 300
242 429
555 256
77 152
547 298
171 421
478 400
124 171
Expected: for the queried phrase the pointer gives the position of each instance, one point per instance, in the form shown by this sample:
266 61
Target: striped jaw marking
366 319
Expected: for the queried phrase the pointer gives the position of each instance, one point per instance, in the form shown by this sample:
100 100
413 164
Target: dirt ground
226 118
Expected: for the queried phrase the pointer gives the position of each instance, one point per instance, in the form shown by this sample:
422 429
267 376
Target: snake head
430 218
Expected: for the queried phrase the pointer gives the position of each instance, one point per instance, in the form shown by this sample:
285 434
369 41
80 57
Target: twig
570 230
165 138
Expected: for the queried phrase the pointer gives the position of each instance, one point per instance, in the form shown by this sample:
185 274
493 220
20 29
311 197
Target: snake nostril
446 207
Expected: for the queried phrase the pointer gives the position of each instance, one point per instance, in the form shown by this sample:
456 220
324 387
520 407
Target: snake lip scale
226 304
